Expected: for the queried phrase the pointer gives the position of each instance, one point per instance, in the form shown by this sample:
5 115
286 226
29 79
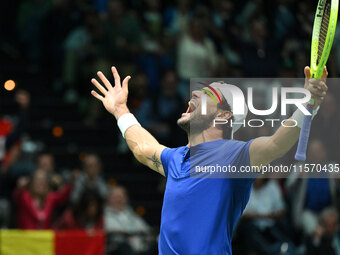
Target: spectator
224 38
305 17
122 36
82 51
176 19
46 163
35 202
155 57
309 196
259 52
325 240
90 179
9 137
29 25
222 23
61 19
196 55
157 112
261 224
326 126
123 223
86 214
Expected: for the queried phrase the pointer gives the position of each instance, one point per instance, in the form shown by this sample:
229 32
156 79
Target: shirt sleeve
165 157
244 154
242 161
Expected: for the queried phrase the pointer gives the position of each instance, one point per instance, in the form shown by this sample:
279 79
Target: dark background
53 48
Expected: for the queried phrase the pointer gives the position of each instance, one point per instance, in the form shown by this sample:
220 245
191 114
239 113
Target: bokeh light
140 210
58 131
112 182
82 156
9 85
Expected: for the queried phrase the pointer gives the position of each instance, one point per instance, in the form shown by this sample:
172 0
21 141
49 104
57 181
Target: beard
196 123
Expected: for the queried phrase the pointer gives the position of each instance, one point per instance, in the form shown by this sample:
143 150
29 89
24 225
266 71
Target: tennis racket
322 39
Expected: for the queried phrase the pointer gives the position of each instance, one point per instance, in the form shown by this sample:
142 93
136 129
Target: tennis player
200 214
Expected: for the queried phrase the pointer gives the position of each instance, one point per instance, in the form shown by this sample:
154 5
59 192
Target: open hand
114 98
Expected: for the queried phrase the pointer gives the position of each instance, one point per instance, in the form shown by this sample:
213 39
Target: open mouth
191 108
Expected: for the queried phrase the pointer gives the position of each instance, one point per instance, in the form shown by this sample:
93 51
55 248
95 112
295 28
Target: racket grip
300 154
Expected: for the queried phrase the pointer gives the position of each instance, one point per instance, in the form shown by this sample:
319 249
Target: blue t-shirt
200 214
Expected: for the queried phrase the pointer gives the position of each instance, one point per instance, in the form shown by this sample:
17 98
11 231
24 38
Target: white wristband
298 116
125 121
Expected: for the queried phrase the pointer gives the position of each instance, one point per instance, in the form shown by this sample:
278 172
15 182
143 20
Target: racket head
323 35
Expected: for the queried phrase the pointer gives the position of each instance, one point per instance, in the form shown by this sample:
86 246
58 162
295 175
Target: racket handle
304 135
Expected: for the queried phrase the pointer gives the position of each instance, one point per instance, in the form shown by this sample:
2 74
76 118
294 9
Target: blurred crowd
162 44
36 195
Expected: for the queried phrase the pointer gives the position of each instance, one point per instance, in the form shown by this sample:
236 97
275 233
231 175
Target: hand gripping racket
323 34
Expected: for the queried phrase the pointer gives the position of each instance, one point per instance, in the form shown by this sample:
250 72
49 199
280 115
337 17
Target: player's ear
224 115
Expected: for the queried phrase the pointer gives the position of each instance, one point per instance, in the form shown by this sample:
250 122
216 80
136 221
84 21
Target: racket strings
323 30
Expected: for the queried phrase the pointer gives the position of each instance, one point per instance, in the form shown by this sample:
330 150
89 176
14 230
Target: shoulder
172 152
235 146
240 143
230 142
169 157
223 148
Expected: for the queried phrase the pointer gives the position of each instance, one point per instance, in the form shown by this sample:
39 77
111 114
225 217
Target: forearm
288 134
264 150
267 149
139 141
284 138
143 145
137 138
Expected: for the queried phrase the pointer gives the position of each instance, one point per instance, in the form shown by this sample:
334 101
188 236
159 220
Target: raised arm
264 150
143 145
